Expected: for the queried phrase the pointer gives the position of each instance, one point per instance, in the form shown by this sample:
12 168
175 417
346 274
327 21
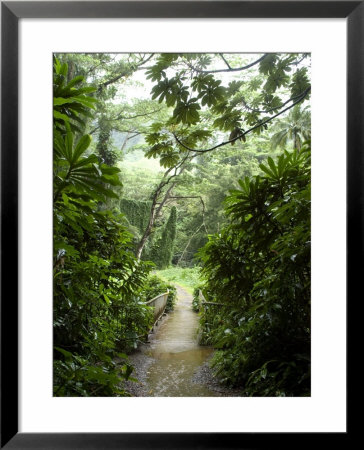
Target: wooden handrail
155 298
204 302
158 309
214 303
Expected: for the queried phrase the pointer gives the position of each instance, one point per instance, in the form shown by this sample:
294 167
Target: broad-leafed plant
98 311
259 268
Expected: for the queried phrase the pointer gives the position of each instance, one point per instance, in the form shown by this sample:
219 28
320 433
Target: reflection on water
177 354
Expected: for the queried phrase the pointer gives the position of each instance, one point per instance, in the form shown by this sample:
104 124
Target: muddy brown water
177 354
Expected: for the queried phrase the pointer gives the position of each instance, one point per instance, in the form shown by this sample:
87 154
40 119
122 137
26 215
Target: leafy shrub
196 299
155 286
72 100
75 376
97 279
259 266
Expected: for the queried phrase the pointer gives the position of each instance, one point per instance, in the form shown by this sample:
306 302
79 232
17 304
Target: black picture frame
11 12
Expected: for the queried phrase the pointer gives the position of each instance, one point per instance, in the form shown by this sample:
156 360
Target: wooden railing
203 302
159 304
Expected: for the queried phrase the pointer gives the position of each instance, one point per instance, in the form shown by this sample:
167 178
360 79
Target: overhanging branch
230 69
125 73
304 94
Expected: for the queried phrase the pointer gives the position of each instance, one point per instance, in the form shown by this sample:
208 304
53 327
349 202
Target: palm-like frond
294 128
73 169
71 104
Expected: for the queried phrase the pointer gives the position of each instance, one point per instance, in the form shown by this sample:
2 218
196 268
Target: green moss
162 251
137 212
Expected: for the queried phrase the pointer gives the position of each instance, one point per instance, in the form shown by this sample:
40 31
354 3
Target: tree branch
225 61
188 244
230 69
146 60
275 108
125 73
120 117
115 79
157 206
137 115
203 224
245 132
192 196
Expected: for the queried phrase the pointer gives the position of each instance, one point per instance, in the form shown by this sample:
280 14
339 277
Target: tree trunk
156 206
188 244
154 214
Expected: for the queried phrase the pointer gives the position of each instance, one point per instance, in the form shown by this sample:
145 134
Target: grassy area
188 278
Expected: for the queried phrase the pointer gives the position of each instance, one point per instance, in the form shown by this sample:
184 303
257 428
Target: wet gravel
204 375
141 362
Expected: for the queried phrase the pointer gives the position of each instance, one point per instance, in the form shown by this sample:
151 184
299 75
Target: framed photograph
165 67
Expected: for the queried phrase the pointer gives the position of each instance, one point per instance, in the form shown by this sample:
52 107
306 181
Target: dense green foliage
259 268
211 105
294 129
196 299
137 213
97 279
162 251
71 105
197 100
202 103
199 128
202 192
155 286
104 148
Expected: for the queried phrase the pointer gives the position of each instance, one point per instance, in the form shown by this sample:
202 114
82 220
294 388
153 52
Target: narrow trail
173 355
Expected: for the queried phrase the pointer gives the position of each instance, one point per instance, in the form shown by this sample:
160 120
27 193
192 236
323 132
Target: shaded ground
172 364
204 375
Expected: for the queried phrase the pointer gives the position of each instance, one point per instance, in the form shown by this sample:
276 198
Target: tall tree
200 103
294 128
162 250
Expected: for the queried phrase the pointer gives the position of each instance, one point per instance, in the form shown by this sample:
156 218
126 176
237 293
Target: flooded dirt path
173 355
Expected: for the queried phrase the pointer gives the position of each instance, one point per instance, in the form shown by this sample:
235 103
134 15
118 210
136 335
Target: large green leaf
81 147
